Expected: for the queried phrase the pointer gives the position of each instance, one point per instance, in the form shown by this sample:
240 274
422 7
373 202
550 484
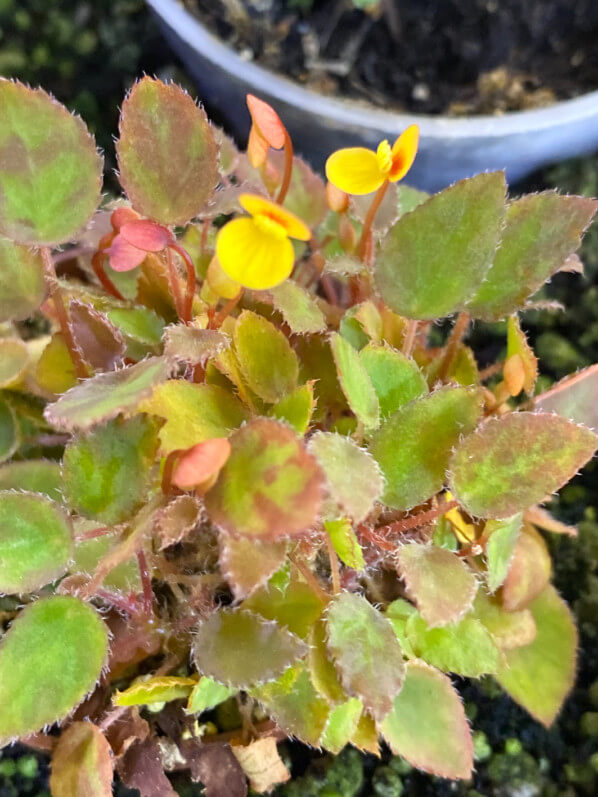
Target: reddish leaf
141 768
247 564
529 571
101 343
217 768
81 763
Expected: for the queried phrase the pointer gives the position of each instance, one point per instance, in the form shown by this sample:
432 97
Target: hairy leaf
344 542
50 659
396 378
297 608
102 344
427 724
540 675
14 357
155 689
341 725
529 571
247 564
34 475
508 629
124 577
437 581
240 648
428 428
270 487
492 477
574 397
50 169
193 413
193 345
107 472
322 671
296 408
353 477
517 345
207 694
22 286
298 308
366 652
501 536
355 382
81 763
434 259
541 231
54 371
35 541
105 396
167 155
266 358
174 521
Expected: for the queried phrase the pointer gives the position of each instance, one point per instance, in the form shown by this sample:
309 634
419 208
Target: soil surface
423 56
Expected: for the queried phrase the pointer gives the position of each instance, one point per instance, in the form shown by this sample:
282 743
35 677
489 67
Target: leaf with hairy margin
101 342
353 476
32 475
529 571
50 169
428 428
541 230
366 652
508 629
155 689
341 725
428 726
270 487
493 477
345 543
240 648
81 763
435 258
207 694
296 408
355 382
539 676
396 378
294 704
297 608
574 397
248 564
193 345
107 473
298 308
50 658
501 538
167 155
36 542
437 580
14 358
22 284
174 521
105 396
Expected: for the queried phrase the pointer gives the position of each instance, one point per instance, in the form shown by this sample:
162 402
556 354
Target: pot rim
354 113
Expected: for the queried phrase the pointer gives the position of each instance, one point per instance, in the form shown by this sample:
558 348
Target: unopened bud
337 200
514 374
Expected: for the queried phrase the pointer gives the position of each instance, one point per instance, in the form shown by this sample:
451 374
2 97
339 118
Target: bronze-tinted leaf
81 763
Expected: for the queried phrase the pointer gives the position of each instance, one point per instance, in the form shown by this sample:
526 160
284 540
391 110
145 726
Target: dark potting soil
423 56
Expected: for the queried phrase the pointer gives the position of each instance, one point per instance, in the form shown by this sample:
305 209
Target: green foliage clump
276 504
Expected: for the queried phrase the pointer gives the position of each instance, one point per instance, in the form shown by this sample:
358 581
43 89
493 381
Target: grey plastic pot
450 148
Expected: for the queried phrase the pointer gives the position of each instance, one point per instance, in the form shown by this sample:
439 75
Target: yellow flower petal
260 206
404 151
355 170
252 257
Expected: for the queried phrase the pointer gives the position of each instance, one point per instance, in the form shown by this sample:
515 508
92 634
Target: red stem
93 533
191 280
288 169
97 263
369 219
174 285
146 581
63 321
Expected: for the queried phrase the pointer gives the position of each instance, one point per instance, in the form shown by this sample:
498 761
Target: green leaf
355 382
396 378
51 657
409 198
270 486
107 473
306 197
124 577
437 580
268 363
240 648
167 155
295 705
14 357
33 475
341 725
465 648
296 408
298 308
398 613
493 477
344 542
50 169
10 437
154 689
54 371
366 652
353 477
193 413
428 726
435 258
541 231
508 629
502 536
428 429
248 564
573 397
35 541
361 324
297 608
82 763
207 694
529 570
539 676
321 668
22 286
105 396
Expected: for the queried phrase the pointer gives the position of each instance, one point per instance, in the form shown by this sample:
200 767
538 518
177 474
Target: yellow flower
358 170
255 250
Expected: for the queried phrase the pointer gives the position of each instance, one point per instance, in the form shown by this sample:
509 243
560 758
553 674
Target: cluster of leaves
224 487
